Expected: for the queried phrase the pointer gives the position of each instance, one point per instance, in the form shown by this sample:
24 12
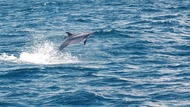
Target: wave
43 53
111 32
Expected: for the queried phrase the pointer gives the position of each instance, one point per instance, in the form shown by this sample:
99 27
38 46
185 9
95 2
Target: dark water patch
154 61
97 83
115 81
170 23
141 29
175 53
68 72
150 74
151 10
175 82
115 3
144 86
178 8
183 74
134 33
72 68
113 33
187 37
118 53
182 47
156 47
178 53
21 73
82 20
180 66
11 104
54 88
122 103
140 47
166 96
169 16
16 95
139 22
77 98
136 96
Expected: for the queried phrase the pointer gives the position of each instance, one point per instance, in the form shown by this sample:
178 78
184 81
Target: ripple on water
139 55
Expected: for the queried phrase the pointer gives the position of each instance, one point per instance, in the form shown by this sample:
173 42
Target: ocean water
138 57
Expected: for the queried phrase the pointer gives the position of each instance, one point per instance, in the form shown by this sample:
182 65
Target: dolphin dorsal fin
69 34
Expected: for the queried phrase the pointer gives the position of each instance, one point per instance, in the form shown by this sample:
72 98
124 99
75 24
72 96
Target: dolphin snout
92 32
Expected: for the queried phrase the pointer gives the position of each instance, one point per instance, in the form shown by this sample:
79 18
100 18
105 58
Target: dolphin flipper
85 41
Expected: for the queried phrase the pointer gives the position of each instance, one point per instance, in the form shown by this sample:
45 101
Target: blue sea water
139 55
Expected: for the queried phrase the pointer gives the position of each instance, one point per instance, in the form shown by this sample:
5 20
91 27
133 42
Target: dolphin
75 38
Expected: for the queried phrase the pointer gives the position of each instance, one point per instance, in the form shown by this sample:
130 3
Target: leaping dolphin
75 38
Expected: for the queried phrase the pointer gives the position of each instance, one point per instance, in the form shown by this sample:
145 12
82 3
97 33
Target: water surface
139 55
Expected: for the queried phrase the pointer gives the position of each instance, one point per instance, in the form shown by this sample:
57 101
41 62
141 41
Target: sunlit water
139 55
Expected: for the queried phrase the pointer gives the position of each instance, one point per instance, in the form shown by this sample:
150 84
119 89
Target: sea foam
42 53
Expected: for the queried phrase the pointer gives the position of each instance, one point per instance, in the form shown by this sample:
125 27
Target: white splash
44 53
6 57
